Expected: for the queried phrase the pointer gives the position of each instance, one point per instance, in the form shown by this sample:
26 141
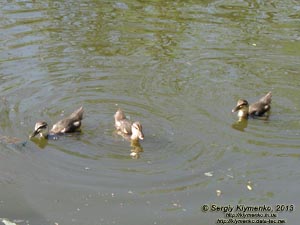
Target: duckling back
262 106
69 124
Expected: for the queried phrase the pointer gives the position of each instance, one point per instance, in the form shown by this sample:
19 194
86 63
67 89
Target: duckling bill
69 124
126 128
258 108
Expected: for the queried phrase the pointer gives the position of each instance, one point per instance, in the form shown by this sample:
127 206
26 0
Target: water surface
179 68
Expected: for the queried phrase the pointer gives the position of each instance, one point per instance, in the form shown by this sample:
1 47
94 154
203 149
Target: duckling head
40 128
242 107
137 131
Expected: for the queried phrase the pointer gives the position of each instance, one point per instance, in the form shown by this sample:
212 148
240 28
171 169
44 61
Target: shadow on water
58 143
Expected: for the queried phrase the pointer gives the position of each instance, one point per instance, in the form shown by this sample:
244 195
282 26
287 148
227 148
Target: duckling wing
259 109
65 126
125 127
262 106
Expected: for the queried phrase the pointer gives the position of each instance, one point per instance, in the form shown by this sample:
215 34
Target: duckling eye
136 127
42 127
241 106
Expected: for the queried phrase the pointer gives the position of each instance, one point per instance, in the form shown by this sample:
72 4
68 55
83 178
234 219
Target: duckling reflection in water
240 125
69 124
132 132
257 109
136 149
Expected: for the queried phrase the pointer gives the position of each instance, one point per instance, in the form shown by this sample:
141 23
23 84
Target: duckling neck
243 114
44 135
134 137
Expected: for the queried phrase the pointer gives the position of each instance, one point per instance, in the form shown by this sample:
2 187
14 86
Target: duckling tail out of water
262 106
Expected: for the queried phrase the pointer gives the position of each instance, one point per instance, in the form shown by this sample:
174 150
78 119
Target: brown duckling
126 128
258 108
69 124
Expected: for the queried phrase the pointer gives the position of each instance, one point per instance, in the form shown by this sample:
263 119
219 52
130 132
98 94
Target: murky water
179 68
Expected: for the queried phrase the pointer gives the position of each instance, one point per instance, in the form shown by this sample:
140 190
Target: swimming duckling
258 108
70 124
126 128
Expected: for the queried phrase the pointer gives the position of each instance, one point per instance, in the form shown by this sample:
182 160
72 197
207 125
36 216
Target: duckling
69 124
258 108
126 128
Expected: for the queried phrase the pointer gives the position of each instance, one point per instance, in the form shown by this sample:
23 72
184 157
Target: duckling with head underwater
69 124
257 109
126 128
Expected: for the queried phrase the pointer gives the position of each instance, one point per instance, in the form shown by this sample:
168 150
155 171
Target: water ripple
178 68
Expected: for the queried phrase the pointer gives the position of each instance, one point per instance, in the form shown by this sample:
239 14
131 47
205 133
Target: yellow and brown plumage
126 128
69 124
259 108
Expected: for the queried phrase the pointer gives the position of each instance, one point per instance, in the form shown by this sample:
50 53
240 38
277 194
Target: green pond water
178 67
